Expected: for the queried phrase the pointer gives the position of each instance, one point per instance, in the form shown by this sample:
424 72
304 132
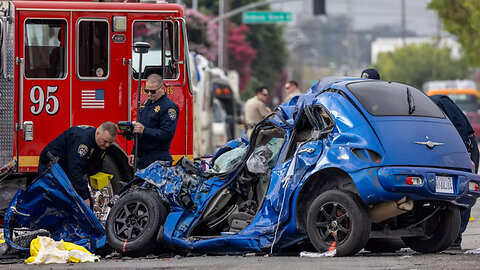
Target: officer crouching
80 151
156 126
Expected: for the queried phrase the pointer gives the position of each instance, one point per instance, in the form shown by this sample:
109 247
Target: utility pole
195 4
403 23
350 45
221 32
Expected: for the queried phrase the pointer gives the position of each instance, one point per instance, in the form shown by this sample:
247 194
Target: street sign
266 17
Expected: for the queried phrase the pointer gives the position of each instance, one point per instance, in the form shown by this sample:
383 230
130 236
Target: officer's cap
370 73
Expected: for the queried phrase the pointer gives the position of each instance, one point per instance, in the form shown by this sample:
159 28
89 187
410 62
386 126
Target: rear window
382 98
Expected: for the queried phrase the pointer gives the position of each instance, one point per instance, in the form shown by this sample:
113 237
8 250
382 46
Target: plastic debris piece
473 251
329 253
406 256
45 250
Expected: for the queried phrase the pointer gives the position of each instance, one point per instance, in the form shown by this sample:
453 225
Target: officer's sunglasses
152 91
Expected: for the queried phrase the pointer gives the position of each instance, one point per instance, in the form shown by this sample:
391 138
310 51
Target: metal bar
129 112
20 99
135 157
98 10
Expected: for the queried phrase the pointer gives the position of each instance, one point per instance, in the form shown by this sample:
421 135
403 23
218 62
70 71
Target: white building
389 44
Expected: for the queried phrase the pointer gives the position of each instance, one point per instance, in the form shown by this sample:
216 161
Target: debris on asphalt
329 253
473 251
45 250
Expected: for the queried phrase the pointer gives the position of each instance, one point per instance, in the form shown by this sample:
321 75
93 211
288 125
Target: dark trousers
465 213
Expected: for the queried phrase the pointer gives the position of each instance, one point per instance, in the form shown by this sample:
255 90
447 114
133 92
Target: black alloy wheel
441 230
134 222
338 218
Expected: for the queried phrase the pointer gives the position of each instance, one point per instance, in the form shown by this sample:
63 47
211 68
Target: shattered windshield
229 159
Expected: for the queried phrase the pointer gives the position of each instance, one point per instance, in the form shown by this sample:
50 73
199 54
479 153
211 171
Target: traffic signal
319 7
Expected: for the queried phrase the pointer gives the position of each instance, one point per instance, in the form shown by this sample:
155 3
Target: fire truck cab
64 64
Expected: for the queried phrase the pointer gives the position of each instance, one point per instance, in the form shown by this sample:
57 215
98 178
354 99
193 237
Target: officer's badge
157 108
82 150
172 114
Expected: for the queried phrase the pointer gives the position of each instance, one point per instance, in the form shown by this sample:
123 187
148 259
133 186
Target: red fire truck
64 64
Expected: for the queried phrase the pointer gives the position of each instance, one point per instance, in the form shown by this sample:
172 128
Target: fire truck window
45 48
93 48
160 37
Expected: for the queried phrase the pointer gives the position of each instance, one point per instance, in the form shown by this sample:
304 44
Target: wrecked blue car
349 161
50 206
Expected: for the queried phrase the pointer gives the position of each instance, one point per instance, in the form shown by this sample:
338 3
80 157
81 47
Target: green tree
416 64
462 19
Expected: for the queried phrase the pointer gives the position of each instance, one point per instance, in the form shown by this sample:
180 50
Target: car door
44 82
305 147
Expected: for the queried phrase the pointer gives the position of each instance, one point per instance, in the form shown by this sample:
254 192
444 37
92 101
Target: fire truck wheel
112 166
134 221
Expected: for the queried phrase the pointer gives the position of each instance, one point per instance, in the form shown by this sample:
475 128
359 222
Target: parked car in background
350 160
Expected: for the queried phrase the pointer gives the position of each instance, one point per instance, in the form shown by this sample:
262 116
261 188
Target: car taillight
413 180
473 186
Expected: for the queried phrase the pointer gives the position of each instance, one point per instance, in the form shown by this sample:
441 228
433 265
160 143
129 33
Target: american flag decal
93 99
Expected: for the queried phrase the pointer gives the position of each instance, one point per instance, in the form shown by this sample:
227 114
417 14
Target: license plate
444 184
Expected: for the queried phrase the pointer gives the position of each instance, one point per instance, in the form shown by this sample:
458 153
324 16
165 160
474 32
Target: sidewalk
471 237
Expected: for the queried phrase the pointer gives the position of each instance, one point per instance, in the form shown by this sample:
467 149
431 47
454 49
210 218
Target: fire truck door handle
129 112
20 98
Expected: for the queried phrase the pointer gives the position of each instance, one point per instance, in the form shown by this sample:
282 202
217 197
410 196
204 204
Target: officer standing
80 151
292 90
157 123
460 121
256 109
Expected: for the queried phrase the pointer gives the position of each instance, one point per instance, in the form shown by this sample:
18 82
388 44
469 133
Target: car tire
340 217
380 245
133 223
444 228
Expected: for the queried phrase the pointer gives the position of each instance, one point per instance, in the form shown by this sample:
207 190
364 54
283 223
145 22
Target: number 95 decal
41 100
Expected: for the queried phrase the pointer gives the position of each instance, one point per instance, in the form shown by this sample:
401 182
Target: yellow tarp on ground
45 250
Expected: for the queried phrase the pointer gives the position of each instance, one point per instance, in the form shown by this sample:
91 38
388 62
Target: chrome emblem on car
429 143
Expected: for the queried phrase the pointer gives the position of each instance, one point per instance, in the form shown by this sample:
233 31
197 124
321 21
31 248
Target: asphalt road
405 259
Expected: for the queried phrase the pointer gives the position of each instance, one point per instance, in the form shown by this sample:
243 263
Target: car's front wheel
441 230
338 218
134 222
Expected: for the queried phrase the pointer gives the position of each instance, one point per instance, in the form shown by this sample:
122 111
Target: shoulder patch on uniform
82 150
172 114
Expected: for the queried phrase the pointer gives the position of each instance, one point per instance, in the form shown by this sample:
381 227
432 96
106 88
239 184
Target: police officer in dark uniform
460 121
80 150
157 123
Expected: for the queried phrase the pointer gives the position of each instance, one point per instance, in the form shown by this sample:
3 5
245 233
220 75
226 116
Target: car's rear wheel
441 230
338 217
134 222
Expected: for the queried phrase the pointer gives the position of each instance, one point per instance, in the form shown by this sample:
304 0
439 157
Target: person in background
292 90
256 109
157 123
80 151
